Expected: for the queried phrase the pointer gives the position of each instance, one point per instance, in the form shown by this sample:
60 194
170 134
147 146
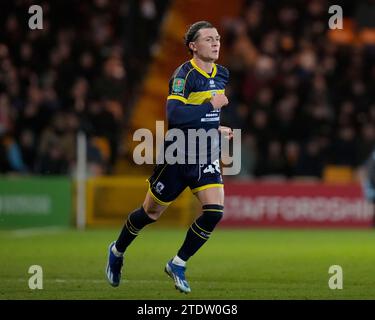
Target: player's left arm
226 131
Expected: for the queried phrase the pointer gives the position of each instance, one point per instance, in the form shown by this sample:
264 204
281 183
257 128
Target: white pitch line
23 233
85 280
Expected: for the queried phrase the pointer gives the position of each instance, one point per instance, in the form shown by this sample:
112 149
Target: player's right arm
179 112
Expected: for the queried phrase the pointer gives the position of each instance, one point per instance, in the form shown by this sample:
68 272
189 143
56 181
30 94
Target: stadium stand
302 94
80 72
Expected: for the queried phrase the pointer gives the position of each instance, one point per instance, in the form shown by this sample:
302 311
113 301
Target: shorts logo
178 85
159 187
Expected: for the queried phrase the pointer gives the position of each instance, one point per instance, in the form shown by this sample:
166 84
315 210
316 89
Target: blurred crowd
77 73
302 99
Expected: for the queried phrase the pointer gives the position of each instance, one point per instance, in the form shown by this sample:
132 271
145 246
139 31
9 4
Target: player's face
207 45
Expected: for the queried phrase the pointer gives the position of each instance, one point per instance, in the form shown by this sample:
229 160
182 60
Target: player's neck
204 65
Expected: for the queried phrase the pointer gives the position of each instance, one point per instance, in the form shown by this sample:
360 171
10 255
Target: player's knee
213 213
153 212
153 209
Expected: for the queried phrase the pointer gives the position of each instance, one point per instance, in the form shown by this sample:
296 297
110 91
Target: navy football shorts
169 180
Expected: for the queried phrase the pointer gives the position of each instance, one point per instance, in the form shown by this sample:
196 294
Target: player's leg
212 200
164 187
148 213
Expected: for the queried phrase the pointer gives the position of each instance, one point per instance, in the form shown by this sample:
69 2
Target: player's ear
192 46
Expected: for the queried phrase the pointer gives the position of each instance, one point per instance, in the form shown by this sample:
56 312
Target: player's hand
219 101
226 131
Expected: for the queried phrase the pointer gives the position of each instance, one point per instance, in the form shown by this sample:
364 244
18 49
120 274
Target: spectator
48 78
304 90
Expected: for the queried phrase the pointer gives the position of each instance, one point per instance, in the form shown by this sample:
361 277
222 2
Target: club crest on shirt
159 187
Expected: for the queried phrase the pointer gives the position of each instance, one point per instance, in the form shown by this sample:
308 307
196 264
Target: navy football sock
135 222
200 230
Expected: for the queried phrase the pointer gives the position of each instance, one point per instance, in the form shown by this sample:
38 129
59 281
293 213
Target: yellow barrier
110 199
338 174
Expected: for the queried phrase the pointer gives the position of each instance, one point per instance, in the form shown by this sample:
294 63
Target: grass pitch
234 264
